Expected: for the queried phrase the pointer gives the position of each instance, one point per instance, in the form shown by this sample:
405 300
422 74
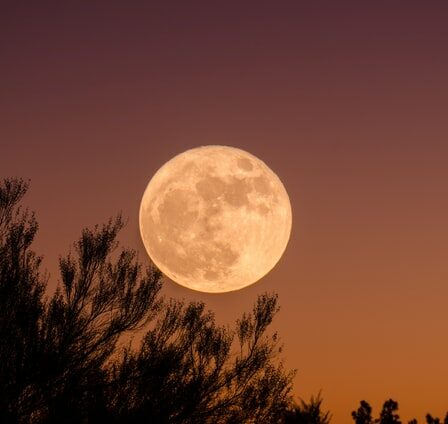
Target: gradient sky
346 101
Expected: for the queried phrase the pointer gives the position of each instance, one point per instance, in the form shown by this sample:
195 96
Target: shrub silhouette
363 415
388 415
307 412
61 360
431 420
69 358
21 305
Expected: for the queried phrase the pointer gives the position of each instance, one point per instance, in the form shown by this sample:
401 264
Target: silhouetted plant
388 415
308 412
363 415
21 306
186 370
431 420
100 299
59 360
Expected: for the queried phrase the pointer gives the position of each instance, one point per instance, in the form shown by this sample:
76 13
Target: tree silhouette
363 415
61 360
21 306
100 299
388 415
308 412
70 358
186 372
431 420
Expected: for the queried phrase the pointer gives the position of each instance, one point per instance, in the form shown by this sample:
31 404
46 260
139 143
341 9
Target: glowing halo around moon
215 219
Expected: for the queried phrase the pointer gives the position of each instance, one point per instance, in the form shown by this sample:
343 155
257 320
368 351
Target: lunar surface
215 219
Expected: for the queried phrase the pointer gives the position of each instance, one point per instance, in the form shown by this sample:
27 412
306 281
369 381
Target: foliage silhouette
388 415
308 412
61 360
363 415
431 420
69 358
21 306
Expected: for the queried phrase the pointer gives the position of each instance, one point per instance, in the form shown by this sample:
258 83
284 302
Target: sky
345 101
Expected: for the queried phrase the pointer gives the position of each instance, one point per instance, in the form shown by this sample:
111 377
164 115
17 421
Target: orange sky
347 102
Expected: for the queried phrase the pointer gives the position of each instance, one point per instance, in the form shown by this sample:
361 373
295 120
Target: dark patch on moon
175 214
261 184
263 209
237 191
210 188
245 164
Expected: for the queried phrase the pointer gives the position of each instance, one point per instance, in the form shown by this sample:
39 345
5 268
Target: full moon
215 219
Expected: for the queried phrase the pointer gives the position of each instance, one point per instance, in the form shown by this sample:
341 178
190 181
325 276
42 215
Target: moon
215 219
